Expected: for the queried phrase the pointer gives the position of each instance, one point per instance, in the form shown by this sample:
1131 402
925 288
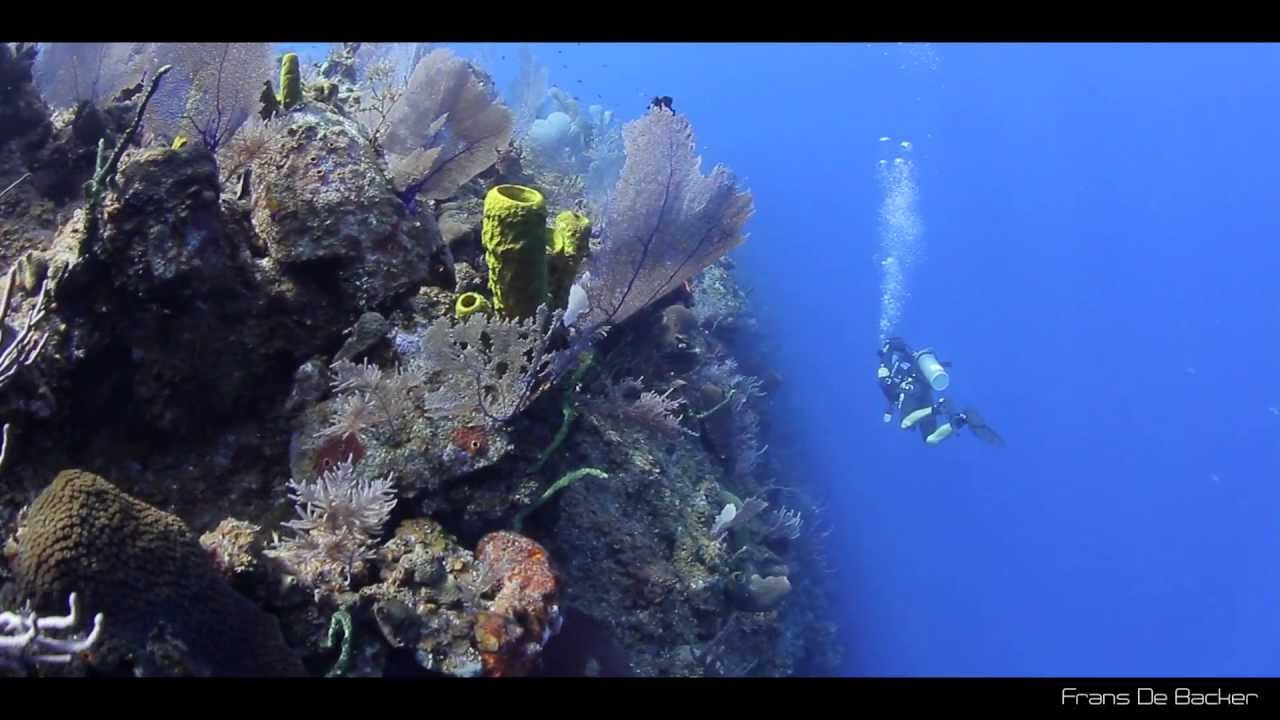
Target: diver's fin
981 429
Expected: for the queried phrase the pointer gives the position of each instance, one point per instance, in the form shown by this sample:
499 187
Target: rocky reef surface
252 401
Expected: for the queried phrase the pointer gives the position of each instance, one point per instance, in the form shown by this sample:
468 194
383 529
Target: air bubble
900 231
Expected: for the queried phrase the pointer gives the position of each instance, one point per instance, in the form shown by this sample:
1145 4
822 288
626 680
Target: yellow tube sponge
514 234
567 246
290 81
469 303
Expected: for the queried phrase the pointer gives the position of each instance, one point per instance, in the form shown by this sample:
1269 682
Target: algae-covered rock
635 550
60 167
427 599
680 339
323 203
151 579
174 323
370 330
163 227
167 306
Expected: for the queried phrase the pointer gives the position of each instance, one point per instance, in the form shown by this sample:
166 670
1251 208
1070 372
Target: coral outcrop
142 568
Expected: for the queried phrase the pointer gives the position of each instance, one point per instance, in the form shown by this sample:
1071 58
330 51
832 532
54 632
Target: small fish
1274 410
1214 477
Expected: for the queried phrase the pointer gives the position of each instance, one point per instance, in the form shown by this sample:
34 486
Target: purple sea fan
666 221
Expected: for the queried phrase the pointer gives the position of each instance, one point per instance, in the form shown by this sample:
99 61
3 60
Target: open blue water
1098 258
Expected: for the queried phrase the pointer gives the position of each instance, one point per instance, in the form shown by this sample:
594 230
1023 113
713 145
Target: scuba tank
932 370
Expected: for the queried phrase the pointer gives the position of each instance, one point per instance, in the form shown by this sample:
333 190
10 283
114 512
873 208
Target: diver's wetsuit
898 375
917 396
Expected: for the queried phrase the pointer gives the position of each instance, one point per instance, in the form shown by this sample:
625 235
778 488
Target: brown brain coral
144 570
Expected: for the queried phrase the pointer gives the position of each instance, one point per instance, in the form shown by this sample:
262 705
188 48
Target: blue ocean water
1097 256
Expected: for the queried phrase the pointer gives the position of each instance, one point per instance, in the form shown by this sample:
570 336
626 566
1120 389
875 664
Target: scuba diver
908 380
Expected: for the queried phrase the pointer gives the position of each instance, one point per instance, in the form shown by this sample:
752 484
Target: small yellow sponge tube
470 303
567 246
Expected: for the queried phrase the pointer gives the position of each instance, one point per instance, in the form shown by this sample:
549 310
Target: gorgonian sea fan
666 221
445 129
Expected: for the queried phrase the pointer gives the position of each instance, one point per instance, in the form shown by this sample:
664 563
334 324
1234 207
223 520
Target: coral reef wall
238 386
